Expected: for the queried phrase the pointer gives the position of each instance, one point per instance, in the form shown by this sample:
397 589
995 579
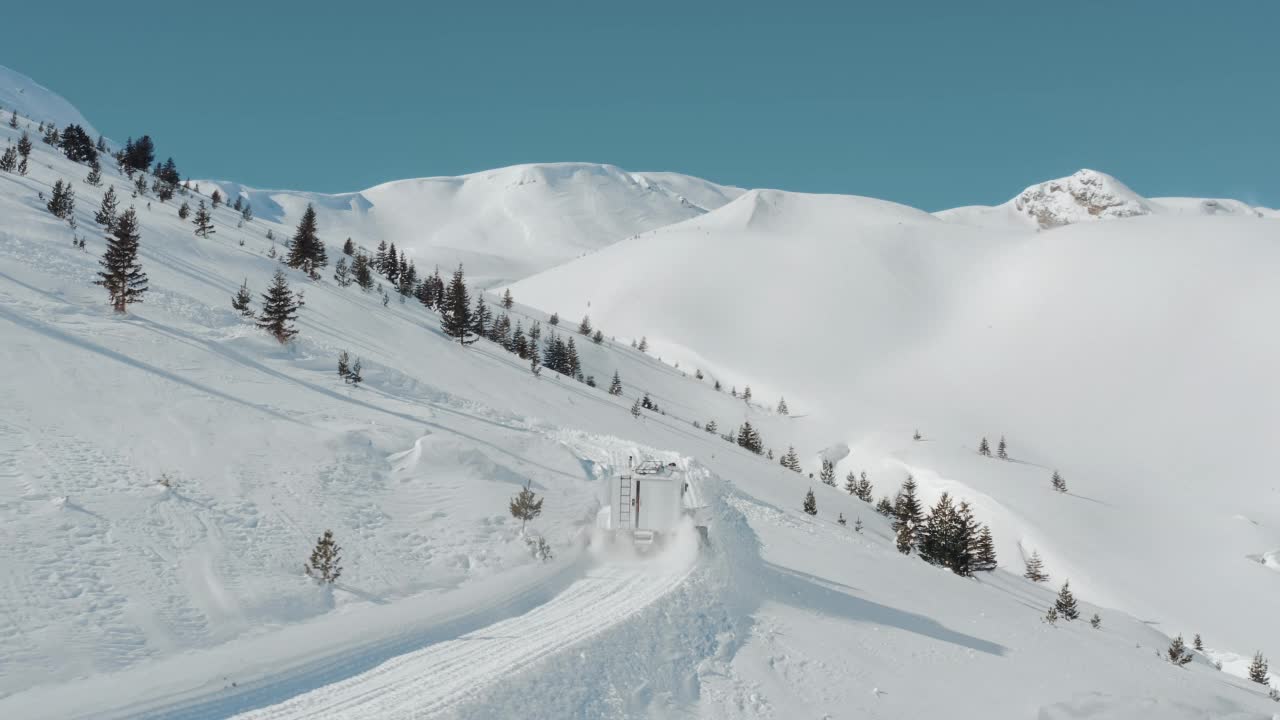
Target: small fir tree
810 503
1178 653
184 210
615 385
1066 604
63 202
354 376
325 564
9 160
584 327
857 524
851 483
279 310
841 520
1002 450
828 473
1058 483
782 407
1258 669
344 365
985 554
203 221
507 300
644 344
1051 616
554 319
864 490
1096 621
1035 568
598 337
635 409
983 448
106 215
885 506
1197 643
240 301
525 506
455 310
916 435
790 460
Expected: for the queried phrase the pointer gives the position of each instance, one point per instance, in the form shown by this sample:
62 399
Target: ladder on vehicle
624 502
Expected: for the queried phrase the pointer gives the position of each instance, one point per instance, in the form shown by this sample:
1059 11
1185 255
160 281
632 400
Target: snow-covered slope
1085 196
36 102
128 599
1128 355
504 224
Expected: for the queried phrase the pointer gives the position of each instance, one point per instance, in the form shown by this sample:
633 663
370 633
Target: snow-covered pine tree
121 273
903 538
1002 450
711 426
746 394
507 300
916 435
361 273
790 460
325 564
635 409
864 491
885 506
828 473
857 524
907 510
13 119
455 310
598 337
644 344
851 483
94 178
934 536
215 199
1178 653
355 377
140 185
24 147
305 249
9 160
106 215
749 438
184 210
554 319
348 247
203 221
984 448
481 317
584 327
647 403
344 365
1057 482
810 503
342 273
1258 669
279 310
985 552
1197 643
1066 604
841 520
782 407
240 301
572 364
525 506
1035 568
1096 621
1051 616
63 201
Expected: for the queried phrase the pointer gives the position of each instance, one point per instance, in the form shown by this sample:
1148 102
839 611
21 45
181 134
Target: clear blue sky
934 104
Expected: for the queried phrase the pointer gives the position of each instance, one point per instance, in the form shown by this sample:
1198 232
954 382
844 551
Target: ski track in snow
429 681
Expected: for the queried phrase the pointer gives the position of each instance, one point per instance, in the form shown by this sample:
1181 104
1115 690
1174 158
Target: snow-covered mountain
503 224
33 100
1125 354
1086 196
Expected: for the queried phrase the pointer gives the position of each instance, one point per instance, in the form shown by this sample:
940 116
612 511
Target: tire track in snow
427 682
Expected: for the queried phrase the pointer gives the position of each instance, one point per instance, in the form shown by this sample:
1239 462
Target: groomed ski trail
428 682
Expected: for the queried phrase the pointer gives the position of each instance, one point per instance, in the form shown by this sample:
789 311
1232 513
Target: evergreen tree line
948 536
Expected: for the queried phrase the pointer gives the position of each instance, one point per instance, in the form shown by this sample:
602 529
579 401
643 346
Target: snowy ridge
503 224
37 103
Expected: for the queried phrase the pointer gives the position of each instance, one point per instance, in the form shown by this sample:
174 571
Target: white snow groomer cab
647 503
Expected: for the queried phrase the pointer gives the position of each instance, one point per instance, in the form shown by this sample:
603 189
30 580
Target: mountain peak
1085 195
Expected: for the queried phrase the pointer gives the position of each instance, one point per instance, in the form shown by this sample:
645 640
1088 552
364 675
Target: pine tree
348 247
354 377
933 537
13 119
1096 621
598 337
63 202
344 365
507 300
790 460
94 178
1035 568
746 394
525 506
985 552
644 344
22 164
1002 450
24 146
215 199
916 435
480 317
984 448
907 511
851 483
361 272
554 319
306 252
325 564
279 310
9 160
749 438
711 426
635 409
140 185
106 215
1178 653
1066 604
584 327
782 407
864 488
828 474
246 214
240 301
903 538
857 525
841 520
184 211
77 145
342 273
1197 643
885 506
1058 483
203 221
810 503
455 311
1258 669
121 273
717 387
1051 616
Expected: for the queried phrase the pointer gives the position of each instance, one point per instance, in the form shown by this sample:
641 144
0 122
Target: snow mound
36 102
